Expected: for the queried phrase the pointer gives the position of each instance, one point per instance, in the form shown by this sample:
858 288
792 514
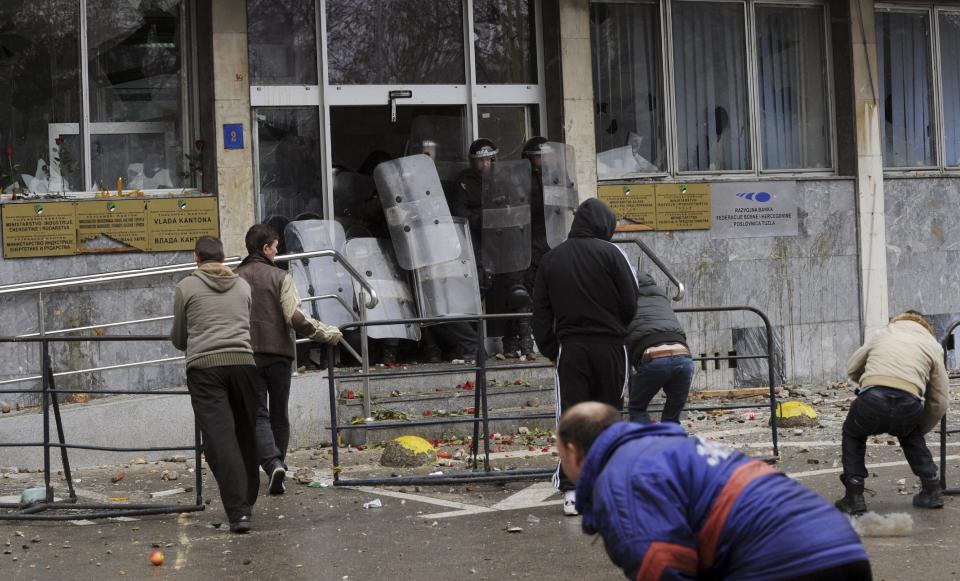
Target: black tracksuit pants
589 372
225 404
273 420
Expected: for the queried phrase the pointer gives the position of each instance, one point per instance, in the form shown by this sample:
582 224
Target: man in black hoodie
584 297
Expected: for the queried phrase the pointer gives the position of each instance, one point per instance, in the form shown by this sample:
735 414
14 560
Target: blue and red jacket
669 506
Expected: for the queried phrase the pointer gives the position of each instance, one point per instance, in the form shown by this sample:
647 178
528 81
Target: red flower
59 140
8 150
427 413
199 144
351 394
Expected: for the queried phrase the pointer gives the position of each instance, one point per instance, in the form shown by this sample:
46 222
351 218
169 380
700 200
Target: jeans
671 374
884 410
273 422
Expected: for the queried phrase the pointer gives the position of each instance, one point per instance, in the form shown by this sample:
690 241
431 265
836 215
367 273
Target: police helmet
535 146
482 148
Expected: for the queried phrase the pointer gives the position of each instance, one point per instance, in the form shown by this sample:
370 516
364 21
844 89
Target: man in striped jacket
670 506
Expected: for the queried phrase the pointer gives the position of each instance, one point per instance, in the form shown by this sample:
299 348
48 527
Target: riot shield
505 238
560 197
320 275
451 288
375 260
418 217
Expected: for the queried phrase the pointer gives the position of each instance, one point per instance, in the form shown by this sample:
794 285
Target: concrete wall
923 247
807 285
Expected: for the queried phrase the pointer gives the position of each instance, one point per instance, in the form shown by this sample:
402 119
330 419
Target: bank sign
754 209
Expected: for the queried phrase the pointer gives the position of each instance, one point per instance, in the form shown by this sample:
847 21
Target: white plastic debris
375 503
872 524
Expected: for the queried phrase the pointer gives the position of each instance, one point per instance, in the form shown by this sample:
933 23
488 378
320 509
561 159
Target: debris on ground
170 492
375 503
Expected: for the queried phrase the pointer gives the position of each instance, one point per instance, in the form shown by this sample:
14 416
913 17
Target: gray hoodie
211 318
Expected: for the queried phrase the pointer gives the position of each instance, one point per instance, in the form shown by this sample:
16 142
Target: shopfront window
906 91
282 42
288 161
950 71
505 41
381 42
40 77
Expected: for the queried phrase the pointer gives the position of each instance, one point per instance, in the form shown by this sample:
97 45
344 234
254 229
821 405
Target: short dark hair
258 236
208 249
582 424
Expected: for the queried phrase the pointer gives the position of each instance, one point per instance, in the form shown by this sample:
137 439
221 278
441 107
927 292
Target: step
415 405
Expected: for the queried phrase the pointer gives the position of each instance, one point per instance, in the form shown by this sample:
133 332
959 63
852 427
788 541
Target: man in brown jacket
211 322
903 392
275 318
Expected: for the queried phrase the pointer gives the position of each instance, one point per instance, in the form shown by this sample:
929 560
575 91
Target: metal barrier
944 432
481 417
50 398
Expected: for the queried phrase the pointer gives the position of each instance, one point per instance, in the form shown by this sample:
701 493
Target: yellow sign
39 229
176 223
35 229
111 226
683 207
659 206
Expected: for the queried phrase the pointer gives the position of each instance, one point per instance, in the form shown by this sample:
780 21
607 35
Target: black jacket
585 290
654 322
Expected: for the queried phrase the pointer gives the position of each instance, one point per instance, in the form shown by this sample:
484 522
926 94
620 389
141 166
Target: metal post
482 384
364 356
64 454
773 391
334 433
44 347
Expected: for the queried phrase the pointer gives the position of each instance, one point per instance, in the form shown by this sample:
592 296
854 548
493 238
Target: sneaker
570 503
276 480
241 526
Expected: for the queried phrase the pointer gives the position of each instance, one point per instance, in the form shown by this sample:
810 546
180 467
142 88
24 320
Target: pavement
319 531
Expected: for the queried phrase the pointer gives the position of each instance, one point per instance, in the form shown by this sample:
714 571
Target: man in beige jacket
903 392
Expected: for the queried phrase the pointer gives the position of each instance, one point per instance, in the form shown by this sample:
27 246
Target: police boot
852 502
931 496
526 340
511 345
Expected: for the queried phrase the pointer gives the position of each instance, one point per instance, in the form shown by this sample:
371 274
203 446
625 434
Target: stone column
578 91
231 89
871 227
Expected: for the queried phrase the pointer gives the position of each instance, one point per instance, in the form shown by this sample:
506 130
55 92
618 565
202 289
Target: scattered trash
32 496
317 484
872 524
81 523
123 519
532 519
437 473
156 557
169 475
139 461
118 476
523 430
375 503
170 492
514 529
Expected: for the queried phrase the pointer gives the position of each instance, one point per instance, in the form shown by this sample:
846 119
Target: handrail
102 278
681 289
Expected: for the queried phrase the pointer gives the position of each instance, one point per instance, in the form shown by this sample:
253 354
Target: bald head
583 423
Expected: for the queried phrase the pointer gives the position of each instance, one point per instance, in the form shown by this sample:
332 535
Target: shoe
570 503
931 496
241 526
531 356
389 355
276 480
852 502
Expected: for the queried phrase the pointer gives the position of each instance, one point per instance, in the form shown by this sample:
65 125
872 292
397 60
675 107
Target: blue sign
233 136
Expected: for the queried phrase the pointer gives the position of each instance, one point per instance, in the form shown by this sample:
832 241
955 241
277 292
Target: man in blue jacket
669 506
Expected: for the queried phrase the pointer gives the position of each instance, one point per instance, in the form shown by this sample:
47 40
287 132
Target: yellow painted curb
414 444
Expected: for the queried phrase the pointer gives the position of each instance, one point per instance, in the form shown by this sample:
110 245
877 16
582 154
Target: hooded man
584 297
669 506
904 391
275 318
211 322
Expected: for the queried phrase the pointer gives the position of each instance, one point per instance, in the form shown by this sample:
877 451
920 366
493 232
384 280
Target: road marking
796 475
733 432
461 506
184 547
533 495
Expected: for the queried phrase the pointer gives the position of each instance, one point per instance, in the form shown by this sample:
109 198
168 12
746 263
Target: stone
408 451
6 409
533 402
523 430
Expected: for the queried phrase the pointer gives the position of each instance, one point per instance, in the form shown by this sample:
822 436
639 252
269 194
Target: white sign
754 209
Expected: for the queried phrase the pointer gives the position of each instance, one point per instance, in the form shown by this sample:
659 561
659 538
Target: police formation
437 238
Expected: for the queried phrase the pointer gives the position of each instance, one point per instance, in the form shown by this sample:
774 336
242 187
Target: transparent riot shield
320 276
375 260
450 288
560 197
505 238
418 217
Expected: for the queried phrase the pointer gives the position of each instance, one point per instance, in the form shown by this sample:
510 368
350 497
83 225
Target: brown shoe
531 356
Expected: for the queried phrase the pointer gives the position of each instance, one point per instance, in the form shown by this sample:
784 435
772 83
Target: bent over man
211 322
274 318
584 297
903 392
669 506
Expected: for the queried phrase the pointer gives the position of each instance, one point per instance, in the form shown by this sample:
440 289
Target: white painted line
529 496
796 475
733 432
425 499
456 513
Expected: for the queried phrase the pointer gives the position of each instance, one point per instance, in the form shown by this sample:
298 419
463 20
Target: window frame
753 102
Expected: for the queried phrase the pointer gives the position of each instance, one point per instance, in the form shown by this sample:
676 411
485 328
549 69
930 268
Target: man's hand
327 334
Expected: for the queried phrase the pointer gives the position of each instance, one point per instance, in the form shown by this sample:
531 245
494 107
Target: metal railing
944 432
481 417
681 289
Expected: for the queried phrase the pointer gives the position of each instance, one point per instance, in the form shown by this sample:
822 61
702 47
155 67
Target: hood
603 447
216 276
593 219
